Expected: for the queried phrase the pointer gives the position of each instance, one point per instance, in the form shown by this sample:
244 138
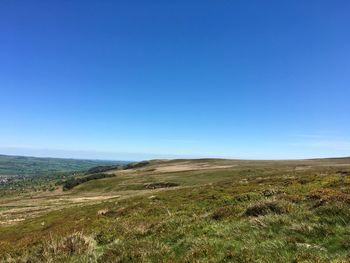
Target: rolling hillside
206 210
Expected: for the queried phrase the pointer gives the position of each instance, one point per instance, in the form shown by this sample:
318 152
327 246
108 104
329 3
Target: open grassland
208 210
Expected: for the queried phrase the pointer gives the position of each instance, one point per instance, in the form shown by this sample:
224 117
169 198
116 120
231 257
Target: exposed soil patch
189 167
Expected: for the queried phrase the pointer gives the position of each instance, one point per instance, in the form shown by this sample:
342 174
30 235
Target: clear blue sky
144 79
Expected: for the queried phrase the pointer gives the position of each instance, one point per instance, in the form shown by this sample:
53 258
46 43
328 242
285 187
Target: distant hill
30 166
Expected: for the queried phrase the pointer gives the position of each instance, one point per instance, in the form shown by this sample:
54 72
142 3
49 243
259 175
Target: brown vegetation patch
323 196
268 207
160 185
224 212
344 173
189 166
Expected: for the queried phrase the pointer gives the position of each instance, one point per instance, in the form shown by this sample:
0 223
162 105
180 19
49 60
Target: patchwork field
206 210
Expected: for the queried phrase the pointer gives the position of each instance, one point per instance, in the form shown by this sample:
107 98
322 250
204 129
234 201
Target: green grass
33 166
264 212
32 174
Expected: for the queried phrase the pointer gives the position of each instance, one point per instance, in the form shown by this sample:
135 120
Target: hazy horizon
129 156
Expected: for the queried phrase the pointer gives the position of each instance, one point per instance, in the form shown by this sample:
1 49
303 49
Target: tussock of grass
225 212
75 247
268 207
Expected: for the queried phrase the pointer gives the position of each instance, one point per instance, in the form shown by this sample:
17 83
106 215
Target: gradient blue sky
152 79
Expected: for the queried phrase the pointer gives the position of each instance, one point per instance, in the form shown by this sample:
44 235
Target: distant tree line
102 169
136 165
73 182
98 172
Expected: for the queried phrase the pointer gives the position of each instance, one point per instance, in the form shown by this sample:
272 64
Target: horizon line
156 156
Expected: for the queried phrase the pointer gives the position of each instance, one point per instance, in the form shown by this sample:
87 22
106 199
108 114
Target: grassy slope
282 211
